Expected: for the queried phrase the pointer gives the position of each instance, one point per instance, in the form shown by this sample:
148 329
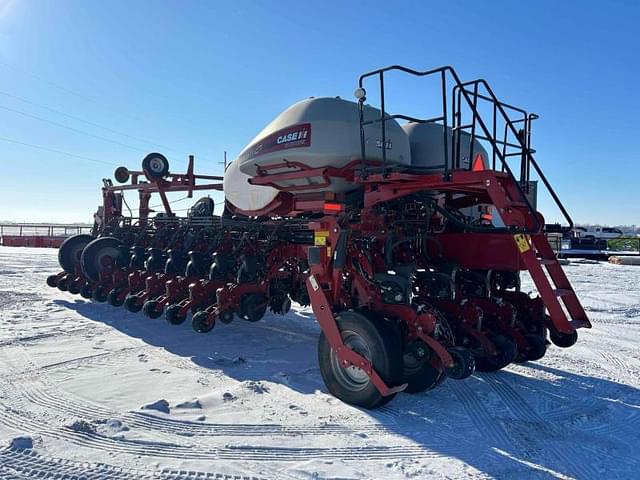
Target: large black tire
100 255
70 251
507 353
418 372
155 165
375 339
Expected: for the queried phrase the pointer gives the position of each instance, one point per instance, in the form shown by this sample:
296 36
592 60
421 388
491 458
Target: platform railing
466 94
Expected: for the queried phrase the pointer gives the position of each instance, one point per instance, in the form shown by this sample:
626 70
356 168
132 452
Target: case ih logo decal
291 137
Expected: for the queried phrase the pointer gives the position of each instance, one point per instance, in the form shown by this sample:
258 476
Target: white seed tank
427 147
241 194
322 132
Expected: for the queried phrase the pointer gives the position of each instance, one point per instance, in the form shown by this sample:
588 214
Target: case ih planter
406 240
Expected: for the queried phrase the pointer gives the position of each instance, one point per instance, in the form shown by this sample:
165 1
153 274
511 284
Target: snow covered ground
90 391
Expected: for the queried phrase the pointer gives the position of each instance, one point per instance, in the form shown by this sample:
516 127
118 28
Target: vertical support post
445 133
383 126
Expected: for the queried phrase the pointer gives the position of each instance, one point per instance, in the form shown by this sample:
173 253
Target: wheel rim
351 377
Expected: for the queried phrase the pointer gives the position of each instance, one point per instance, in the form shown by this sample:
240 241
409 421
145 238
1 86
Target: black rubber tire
150 309
52 281
563 340
114 299
173 315
70 251
155 165
86 291
204 207
199 324
132 304
507 353
382 344
253 307
417 371
73 287
537 349
464 363
121 174
94 254
226 317
100 293
63 284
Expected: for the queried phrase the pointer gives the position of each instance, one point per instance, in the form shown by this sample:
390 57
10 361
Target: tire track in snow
522 410
481 418
28 464
44 398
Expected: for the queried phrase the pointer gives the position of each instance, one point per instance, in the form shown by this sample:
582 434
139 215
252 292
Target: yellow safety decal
328 251
320 238
523 242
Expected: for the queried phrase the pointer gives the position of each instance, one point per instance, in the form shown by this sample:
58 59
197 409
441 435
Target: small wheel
507 353
73 287
86 291
70 251
562 340
100 294
63 284
155 165
52 281
115 297
464 363
537 349
418 372
200 322
253 307
375 339
121 174
100 255
132 304
151 310
173 315
226 316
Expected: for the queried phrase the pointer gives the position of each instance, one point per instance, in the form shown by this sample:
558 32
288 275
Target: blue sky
110 81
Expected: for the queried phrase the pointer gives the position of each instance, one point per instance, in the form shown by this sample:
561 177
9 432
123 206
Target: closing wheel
151 309
132 304
173 315
253 306
52 281
63 284
73 286
507 353
376 340
100 255
155 165
562 340
70 251
200 322
121 174
115 298
86 291
537 348
464 363
418 372
100 294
